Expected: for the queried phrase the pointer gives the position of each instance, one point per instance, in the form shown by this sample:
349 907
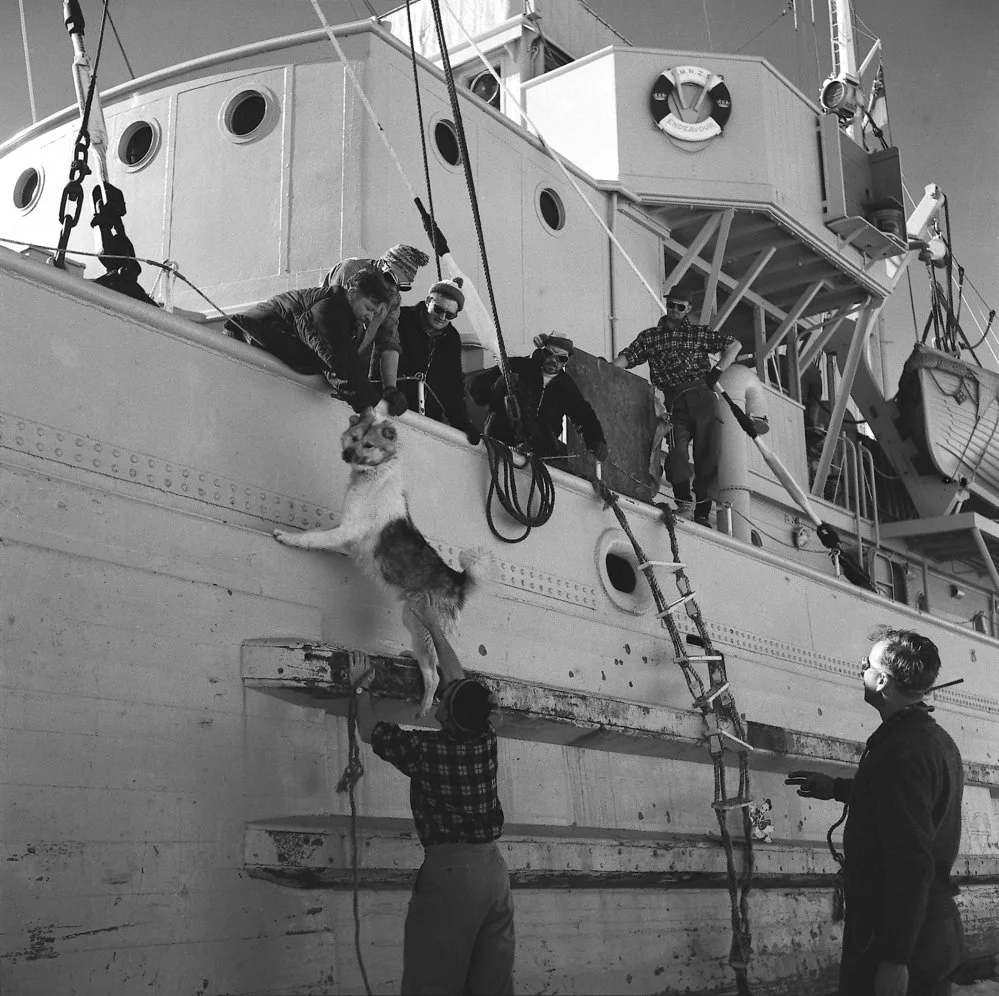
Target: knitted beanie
451 289
404 261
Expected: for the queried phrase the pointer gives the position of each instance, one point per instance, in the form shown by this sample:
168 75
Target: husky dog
375 528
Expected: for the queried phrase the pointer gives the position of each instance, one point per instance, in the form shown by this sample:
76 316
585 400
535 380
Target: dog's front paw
282 537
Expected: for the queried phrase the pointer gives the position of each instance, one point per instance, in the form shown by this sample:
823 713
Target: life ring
712 86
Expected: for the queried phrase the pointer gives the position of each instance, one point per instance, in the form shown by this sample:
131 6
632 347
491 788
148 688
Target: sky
939 61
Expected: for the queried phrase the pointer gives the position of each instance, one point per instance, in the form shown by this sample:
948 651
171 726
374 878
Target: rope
348 780
423 136
168 266
27 63
720 703
459 126
503 484
121 48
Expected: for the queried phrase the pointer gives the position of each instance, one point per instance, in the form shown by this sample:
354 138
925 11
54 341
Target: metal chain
717 703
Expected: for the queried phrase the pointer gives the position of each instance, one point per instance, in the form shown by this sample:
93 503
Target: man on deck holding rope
431 353
314 330
902 935
459 934
678 356
547 395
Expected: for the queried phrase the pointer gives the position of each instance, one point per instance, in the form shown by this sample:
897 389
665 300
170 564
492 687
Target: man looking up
431 352
902 935
459 935
679 365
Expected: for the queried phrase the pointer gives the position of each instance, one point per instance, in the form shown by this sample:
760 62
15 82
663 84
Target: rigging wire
788 7
121 48
423 135
707 24
27 63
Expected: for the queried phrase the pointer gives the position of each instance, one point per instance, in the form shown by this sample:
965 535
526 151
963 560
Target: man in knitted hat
314 330
547 395
459 933
397 267
431 354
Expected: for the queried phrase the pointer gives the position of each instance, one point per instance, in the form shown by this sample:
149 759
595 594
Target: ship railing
853 485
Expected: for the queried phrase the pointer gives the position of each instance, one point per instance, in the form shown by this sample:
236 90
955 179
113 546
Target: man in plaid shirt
459 935
679 365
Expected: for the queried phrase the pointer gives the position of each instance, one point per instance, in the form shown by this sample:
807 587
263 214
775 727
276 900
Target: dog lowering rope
716 703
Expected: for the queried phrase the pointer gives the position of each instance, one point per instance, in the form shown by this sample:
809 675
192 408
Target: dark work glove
395 400
473 435
712 376
600 450
435 235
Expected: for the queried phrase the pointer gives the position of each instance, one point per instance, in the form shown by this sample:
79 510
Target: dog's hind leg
426 658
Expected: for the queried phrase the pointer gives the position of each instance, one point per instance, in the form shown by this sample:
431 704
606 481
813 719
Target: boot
682 496
702 512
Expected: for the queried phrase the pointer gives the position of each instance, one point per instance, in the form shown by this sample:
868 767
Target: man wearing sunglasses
431 353
547 395
678 354
902 935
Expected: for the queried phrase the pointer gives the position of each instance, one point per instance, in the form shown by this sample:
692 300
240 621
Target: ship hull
144 462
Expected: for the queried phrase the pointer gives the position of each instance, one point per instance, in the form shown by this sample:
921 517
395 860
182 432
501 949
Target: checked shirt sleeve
638 351
397 746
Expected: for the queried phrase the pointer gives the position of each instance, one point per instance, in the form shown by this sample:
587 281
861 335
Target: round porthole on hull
446 143
617 567
138 144
248 114
28 188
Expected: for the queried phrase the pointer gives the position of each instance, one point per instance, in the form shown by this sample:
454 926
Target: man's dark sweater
542 405
438 359
903 829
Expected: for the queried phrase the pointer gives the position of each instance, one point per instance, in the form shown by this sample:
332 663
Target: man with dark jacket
431 353
546 393
314 331
902 935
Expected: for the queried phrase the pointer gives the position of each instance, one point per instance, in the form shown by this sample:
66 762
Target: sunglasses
866 665
389 274
441 312
682 306
559 355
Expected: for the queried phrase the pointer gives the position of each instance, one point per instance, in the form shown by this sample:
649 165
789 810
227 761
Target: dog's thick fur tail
478 564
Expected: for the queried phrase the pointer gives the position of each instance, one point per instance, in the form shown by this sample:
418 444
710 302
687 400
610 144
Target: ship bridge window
27 189
620 576
446 142
551 210
139 142
248 114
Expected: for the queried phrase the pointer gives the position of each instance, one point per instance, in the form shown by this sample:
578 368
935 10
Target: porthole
551 209
139 142
619 574
248 115
446 142
28 188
